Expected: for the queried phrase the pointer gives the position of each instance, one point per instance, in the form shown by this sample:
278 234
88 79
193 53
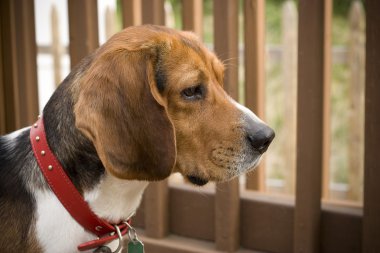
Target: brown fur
126 110
144 131
18 228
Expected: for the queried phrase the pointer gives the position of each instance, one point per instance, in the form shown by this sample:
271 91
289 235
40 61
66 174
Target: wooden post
3 126
156 209
83 29
192 16
327 61
19 73
131 10
289 73
254 50
227 202
371 218
310 99
153 12
56 45
226 41
356 61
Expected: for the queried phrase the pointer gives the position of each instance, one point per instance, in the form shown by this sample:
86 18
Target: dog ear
120 110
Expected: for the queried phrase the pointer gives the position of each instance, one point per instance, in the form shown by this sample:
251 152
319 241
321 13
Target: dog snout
258 134
260 139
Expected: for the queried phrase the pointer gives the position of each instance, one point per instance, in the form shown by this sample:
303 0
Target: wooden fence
281 159
177 218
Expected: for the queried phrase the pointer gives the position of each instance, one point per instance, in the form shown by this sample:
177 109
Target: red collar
68 195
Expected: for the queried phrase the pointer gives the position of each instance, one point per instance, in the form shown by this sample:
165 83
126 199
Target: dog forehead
192 60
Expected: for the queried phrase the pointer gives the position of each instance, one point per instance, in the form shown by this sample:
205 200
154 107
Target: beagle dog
146 104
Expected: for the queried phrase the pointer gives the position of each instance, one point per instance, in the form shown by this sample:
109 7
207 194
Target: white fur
56 230
11 137
112 199
247 112
246 165
16 133
115 199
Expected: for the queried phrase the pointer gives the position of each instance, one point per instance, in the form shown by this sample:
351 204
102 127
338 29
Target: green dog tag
135 247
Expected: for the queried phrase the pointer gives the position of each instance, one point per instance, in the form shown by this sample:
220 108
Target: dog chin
251 165
247 167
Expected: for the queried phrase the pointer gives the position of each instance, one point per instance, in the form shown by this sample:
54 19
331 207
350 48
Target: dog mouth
197 180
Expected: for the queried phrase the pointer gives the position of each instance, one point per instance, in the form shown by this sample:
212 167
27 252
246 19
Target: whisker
231 65
229 59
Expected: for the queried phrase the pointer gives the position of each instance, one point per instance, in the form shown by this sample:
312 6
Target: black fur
74 151
160 75
16 202
20 175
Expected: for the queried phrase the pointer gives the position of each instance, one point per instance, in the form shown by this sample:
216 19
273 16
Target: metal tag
135 246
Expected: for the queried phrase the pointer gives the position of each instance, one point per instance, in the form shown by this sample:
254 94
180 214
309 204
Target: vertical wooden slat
192 16
327 60
157 209
227 215
7 102
371 219
254 50
2 98
192 212
25 45
227 207
83 29
19 63
153 12
131 10
157 194
226 41
309 125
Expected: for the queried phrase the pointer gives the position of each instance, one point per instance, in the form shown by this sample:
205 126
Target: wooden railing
281 158
227 217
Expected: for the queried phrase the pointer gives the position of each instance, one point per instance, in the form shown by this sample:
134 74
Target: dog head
152 102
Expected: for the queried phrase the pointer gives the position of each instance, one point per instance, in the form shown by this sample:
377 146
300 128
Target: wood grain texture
310 118
83 29
371 219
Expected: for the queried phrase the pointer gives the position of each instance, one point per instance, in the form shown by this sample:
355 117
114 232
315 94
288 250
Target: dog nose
261 139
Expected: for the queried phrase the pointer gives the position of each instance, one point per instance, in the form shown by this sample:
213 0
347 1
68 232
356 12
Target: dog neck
115 199
109 197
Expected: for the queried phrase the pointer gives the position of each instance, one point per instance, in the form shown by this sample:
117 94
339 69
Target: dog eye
193 93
